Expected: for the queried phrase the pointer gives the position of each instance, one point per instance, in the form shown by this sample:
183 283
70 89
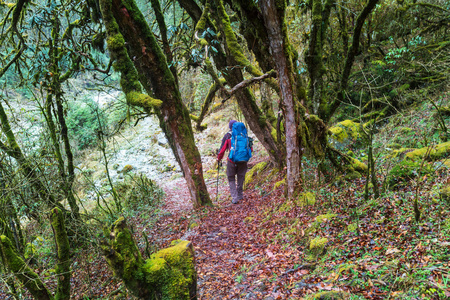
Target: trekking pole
218 173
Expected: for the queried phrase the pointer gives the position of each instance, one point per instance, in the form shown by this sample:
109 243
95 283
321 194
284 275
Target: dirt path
235 256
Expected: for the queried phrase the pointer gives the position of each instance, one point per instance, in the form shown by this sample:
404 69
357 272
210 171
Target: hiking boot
235 201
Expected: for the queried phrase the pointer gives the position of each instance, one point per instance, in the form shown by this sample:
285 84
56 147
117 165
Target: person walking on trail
237 142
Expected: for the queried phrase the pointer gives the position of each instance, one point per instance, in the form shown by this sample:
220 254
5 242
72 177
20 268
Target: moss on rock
407 170
445 194
173 269
352 175
317 246
346 133
358 165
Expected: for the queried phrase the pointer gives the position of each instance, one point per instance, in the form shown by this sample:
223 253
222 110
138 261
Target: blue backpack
240 145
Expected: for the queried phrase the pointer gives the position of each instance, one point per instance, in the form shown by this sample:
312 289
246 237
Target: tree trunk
274 21
226 64
157 79
28 277
350 59
14 151
231 69
167 274
23 272
63 251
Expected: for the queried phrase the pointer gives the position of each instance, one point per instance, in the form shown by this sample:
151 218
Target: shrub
407 170
138 192
83 123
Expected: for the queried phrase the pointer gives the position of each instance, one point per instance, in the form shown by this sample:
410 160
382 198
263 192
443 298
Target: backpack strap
224 139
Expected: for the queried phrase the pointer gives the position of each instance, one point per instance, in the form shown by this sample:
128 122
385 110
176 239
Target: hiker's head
231 123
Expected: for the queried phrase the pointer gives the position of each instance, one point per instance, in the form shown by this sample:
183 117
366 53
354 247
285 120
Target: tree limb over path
246 83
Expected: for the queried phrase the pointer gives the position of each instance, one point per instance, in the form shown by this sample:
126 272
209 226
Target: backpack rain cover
240 148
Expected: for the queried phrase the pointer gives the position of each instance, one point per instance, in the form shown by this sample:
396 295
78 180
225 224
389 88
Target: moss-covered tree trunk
55 93
158 80
168 274
231 66
63 253
13 149
313 56
231 69
273 13
16 265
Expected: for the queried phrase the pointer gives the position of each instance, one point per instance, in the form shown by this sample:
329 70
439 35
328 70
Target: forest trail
234 257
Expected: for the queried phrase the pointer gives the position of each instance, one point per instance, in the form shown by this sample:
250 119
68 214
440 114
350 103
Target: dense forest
112 113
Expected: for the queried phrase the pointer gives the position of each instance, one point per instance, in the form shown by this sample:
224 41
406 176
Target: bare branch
248 82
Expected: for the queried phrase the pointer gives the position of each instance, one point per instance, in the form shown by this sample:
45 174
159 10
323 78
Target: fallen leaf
392 251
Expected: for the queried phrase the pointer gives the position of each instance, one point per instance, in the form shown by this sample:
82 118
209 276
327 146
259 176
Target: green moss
317 246
352 175
338 133
172 269
115 42
358 165
142 100
345 130
254 172
399 152
128 255
407 170
30 251
395 92
405 130
352 227
273 133
306 198
24 274
437 152
326 217
279 183
232 43
201 24
352 128
193 117
445 194
63 250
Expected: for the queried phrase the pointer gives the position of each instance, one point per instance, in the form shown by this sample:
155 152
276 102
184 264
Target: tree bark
167 274
28 277
13 150
233 76
22 271
274 21
157 79
63 252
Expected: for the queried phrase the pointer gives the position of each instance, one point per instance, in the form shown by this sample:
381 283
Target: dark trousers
236 189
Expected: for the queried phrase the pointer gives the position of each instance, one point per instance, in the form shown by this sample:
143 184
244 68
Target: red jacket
225 146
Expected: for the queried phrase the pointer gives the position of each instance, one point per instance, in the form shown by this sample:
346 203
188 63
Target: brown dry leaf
392 251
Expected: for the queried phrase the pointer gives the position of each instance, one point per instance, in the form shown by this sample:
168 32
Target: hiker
239 145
